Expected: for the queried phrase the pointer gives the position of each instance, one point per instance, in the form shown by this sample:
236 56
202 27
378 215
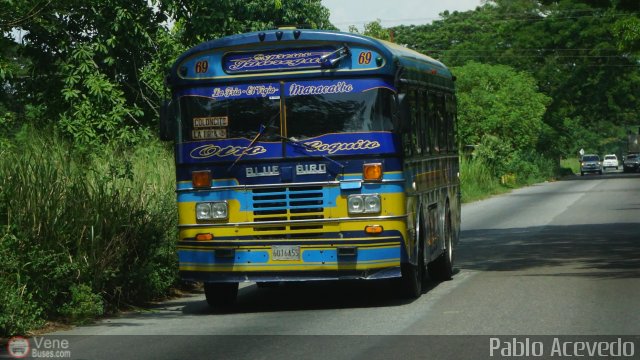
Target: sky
391 12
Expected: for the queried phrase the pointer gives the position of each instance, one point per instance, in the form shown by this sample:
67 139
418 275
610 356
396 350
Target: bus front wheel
441 269
220 295
413 277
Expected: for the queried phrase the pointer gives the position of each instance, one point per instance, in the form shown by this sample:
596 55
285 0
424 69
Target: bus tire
412 278
441 269
220 295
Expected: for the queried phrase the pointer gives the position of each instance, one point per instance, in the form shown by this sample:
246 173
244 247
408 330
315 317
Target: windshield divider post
283 119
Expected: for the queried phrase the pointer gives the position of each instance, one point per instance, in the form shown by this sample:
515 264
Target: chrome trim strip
293 222
281 185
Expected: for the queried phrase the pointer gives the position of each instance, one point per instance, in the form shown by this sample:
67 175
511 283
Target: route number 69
202 67
364 58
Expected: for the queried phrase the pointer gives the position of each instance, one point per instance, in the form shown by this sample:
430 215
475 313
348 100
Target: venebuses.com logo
18 347
38 347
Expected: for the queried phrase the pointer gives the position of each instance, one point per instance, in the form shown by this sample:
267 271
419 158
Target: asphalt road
560 258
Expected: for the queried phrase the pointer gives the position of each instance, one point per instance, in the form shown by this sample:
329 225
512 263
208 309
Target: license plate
285 252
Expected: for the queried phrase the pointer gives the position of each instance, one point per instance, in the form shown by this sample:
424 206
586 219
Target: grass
82 234
477 181
571 164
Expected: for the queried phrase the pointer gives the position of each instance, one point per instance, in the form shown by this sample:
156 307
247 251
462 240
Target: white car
610 161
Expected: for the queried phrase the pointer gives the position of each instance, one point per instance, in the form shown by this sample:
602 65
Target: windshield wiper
308 147
342 52
261 131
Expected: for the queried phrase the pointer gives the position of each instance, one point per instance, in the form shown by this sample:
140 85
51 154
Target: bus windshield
314 115
313 108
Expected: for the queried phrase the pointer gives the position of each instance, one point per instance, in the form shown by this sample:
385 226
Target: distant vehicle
610 161
590 164
631 163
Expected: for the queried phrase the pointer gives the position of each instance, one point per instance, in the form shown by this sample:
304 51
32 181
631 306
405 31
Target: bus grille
286 204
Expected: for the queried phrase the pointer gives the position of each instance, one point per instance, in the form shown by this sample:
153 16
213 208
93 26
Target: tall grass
83 233
570 165
477 180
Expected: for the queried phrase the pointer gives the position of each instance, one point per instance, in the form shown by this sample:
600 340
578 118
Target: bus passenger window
414 124
424 121
406 143
442 126
433 123
451 117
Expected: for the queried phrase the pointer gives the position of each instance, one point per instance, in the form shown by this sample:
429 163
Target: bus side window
404 126
433 123
451 117
442 125
454 125
414 123
424 121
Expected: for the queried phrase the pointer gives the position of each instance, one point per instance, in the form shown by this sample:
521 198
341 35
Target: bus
306 155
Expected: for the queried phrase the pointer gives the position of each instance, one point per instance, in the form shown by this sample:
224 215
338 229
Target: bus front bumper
292 260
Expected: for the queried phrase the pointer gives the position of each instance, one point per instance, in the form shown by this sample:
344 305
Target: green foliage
83 306
477 180
206 20
97 67
374 29
77 225
570 166
497 100
627 32
501 111
582 54
19 311
97 111
83 62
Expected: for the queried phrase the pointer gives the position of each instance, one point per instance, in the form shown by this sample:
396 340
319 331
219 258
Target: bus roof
416 65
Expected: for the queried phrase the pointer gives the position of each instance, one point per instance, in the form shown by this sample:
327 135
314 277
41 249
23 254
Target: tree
95 69
583 55
83 65
497 100
206 20
374 29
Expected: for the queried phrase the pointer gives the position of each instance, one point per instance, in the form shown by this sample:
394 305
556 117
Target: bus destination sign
298 59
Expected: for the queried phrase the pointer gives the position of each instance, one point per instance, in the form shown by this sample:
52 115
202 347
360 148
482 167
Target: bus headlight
212 210
363 204
372 204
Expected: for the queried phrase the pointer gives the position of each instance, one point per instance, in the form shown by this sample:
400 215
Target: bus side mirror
167 121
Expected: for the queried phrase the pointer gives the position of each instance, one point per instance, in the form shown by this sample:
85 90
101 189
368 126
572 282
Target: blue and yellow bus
312 155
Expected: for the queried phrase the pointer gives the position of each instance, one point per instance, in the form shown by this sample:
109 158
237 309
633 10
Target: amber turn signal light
204 237
372 172
201 179
373 229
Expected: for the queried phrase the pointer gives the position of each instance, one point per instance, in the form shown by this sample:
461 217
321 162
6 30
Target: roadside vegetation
570 165
82 233
87 202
